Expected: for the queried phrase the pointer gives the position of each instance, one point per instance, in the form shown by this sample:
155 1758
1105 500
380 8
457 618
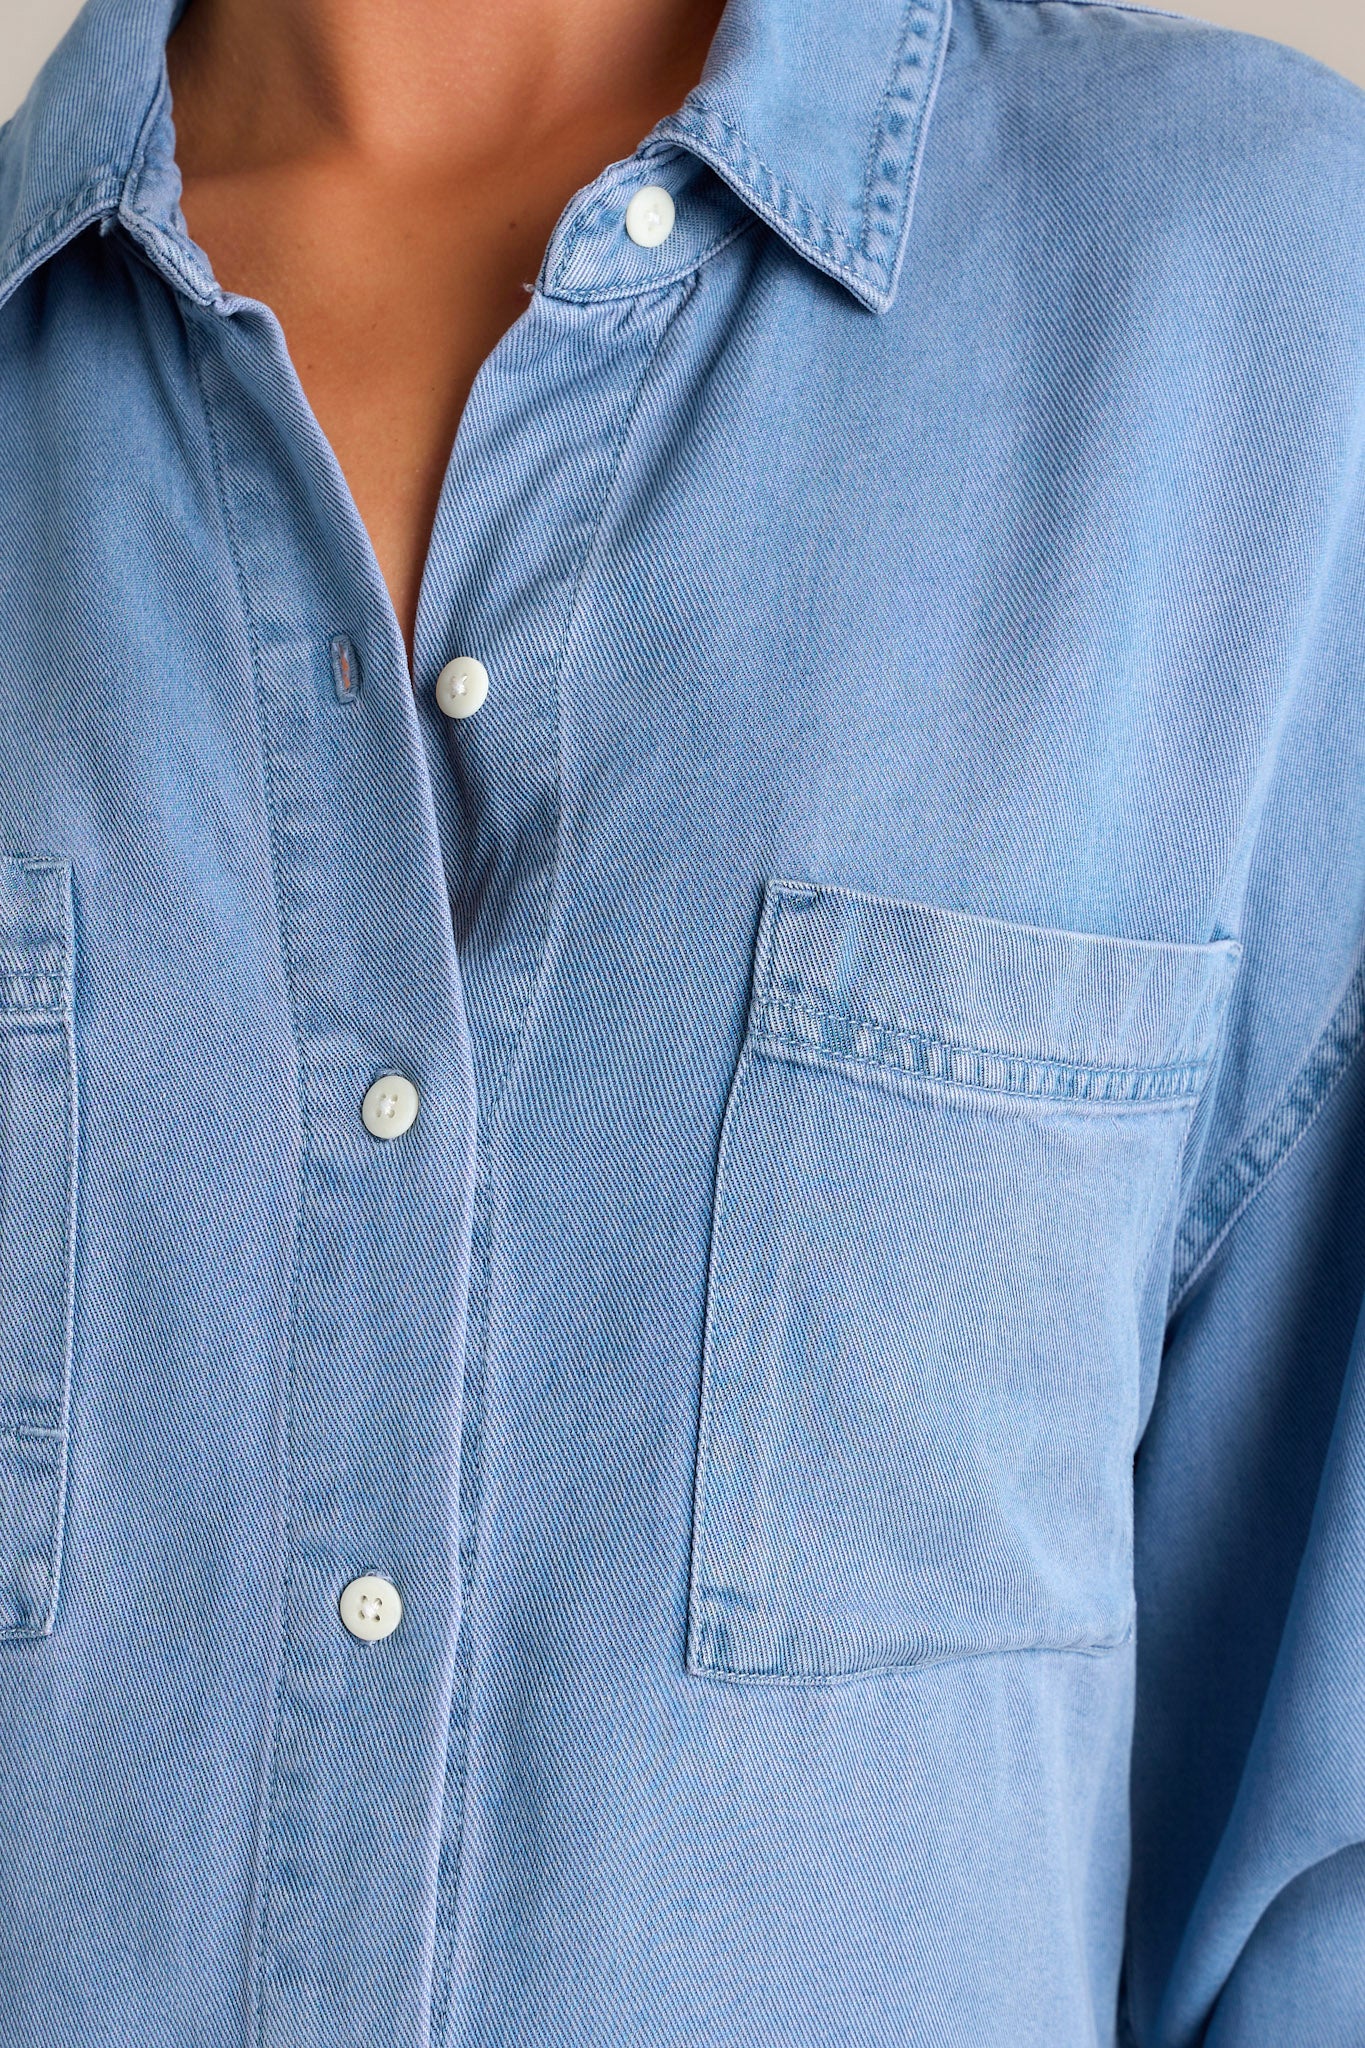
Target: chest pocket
37 1188
944 1160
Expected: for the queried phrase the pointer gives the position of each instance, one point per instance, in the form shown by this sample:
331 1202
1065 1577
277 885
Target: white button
461 686
390 1105
370 1608
649 217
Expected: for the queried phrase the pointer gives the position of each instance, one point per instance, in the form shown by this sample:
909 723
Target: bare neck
425 84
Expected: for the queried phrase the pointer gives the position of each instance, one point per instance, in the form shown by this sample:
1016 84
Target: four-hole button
649 216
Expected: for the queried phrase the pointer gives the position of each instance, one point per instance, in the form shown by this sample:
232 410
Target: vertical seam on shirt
699 1653
450 1896
267 1799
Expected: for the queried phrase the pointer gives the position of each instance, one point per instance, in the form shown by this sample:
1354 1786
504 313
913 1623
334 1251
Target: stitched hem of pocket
1053 1089
734 1675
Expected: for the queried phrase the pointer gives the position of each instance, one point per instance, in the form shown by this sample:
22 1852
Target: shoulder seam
1233 1187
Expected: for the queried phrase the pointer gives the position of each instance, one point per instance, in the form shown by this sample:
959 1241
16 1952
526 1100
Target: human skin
386 178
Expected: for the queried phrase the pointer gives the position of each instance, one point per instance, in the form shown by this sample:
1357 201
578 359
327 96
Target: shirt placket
415 833
517 543
364 1619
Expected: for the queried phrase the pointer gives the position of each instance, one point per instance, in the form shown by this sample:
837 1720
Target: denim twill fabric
855 1368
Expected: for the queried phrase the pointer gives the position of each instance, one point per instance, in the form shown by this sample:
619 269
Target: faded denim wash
855 1369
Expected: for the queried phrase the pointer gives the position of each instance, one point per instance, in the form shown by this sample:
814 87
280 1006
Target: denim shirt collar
815 117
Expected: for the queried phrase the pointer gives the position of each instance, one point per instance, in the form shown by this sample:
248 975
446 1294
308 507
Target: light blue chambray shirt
814 1495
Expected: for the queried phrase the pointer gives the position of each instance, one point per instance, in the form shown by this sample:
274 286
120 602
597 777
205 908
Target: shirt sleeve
1247 1898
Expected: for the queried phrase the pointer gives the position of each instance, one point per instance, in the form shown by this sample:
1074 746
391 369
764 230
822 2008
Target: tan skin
421 152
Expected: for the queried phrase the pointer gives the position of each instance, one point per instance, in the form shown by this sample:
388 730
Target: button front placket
369 1425
415 848
539 448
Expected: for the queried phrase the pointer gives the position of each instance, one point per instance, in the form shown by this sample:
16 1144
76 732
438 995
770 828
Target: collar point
876 292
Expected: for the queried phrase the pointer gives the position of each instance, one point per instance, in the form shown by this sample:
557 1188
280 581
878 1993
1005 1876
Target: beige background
1333 30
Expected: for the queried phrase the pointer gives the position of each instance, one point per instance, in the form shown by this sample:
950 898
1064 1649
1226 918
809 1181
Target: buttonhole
345 670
